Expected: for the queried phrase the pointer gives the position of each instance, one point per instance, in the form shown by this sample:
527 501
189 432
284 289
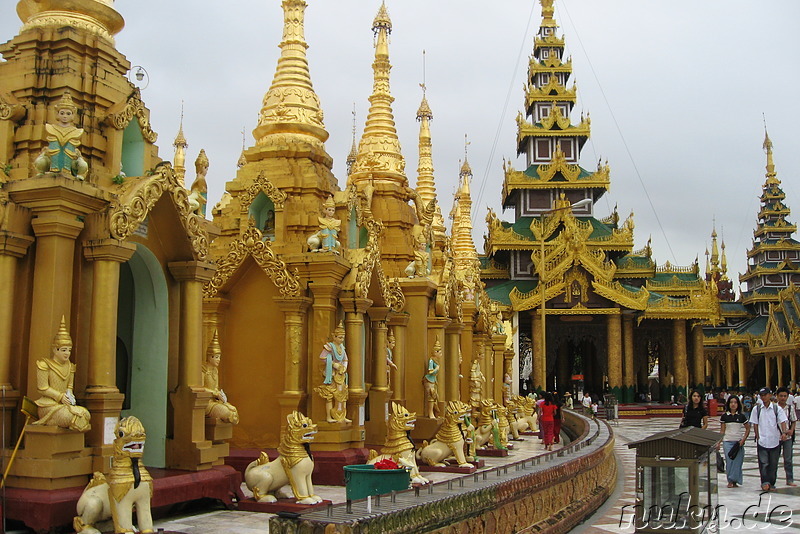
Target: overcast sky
676 90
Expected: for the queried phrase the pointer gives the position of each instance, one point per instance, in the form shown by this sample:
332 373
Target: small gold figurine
55 378
326 238
390 343
429 381
218 407
334 385
476 381
198 197
419 267
63 140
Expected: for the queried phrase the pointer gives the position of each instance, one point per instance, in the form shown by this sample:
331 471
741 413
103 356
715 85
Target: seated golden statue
218 407
63 140
334 385
326 238
54 380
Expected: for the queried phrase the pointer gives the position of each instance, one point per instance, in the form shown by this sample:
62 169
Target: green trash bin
364 480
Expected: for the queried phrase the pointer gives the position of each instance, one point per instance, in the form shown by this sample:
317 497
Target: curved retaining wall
549 493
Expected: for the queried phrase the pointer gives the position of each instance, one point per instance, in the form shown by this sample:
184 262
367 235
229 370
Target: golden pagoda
597 314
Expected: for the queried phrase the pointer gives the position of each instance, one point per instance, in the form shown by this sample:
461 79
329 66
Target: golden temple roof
291 106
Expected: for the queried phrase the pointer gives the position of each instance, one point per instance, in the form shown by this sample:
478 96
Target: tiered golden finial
242 158
291 106
723 263
714 252
180 145
379 150
426 186
97 17
547 13
771 174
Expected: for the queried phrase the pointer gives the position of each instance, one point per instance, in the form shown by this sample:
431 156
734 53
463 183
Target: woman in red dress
547 420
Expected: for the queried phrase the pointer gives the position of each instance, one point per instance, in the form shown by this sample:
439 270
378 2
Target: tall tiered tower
774 259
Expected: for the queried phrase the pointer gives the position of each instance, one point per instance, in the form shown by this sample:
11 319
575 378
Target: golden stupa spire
97 17
464 251
723 263
426 186
379 150
291 106
351 157
714 251
180 145
242 158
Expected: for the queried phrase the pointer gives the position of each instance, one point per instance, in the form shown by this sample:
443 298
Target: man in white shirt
770 425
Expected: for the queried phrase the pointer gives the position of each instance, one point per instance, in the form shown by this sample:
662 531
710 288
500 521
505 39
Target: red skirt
557 430
547 430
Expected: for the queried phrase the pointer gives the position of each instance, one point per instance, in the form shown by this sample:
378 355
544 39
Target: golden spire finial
768 148
465 168
180 145
62 337
351 157
723 265
379 150
464 251
214 347
714 249
291 106
97 17
548 12
426 186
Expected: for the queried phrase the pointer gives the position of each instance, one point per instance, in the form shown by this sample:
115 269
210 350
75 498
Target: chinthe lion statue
292 467
449 440
516 423
528 407
487 429
399 447
126 486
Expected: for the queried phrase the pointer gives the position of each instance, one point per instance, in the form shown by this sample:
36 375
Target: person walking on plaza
770 426
587 404
735 428
694 414
787 446
546 420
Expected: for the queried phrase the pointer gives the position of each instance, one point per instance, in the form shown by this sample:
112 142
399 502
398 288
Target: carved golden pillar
419 294
294 316
628 370
539 364
398 322
742 368
436 331
187 448
12 247
680 370
497 350
614 333
779 363
698 358
468 312
379 393
729 369
354 335
487 365
452 382
102 398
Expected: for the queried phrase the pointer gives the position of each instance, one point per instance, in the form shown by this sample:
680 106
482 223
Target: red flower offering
386 464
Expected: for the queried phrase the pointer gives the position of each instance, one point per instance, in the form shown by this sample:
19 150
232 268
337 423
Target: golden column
539 363
793 369
12 247
614 333
767 371
294 316
680 369
398 322
102 398
742 368
698 358
452 382
779 363
354 334
629 373
379 393
728 368
468 311
185 450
